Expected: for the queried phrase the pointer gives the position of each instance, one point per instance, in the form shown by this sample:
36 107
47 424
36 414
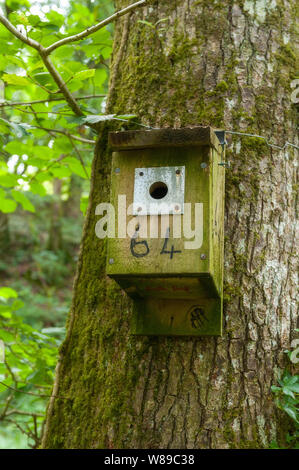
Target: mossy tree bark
227 64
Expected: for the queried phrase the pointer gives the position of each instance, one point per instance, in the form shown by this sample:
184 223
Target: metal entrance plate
159 190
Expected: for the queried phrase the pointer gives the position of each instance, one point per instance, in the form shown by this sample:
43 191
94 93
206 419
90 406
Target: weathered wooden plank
168 137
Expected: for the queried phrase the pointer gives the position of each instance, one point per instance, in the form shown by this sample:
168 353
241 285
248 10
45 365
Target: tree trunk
227 65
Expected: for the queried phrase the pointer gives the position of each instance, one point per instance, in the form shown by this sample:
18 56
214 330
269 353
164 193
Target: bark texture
227 64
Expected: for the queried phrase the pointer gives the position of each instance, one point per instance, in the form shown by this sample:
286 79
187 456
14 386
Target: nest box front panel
141 254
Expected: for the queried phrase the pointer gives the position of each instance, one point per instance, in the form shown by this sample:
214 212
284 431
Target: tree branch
93 29
61 85
79 156
23 413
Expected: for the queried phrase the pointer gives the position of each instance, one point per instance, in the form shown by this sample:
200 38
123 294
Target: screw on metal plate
117 170
203 165
111 260
203 256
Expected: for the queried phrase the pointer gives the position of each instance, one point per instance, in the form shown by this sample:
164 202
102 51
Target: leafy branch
45 52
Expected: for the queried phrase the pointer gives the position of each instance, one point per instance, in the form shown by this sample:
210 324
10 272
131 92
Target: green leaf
20 129
15 147
76 167
23 200
7 205
56 18
43 152
18 18
83 74
17 304
287 391
37 188
84 204
13 79
92 119
8 180
8 292
33 20
6 314
294 387
291 412
60 171
100 77
44 176
44 78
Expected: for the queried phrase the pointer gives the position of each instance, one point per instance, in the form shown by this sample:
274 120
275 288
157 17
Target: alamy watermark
188 224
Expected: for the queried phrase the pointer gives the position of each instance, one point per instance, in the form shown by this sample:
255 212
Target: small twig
30 393
18 426
27 431
23 413
79 156
11 372
50 92
35 428
42 112
75 137
7 403
60 83
29 103
93 29
48 167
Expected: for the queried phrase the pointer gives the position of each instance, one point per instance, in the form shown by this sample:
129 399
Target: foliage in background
26 373
45 160
43 279
287 397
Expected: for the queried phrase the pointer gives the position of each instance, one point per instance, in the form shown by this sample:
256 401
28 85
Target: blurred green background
45 164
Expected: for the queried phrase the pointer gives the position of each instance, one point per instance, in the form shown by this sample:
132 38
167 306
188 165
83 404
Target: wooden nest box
172 180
